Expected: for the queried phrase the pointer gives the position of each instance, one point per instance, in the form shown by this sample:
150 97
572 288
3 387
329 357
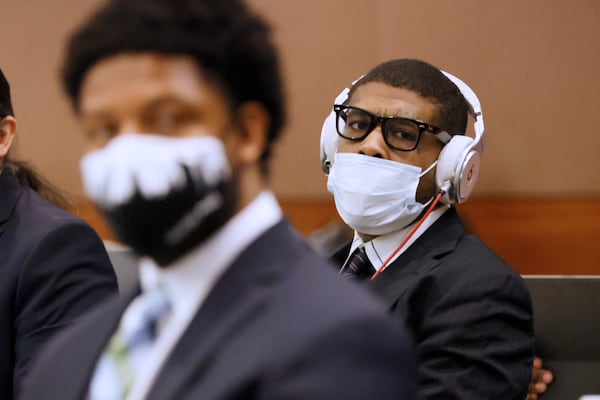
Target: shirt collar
190 278
381 247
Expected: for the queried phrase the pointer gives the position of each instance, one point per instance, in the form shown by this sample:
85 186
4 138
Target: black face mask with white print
161 196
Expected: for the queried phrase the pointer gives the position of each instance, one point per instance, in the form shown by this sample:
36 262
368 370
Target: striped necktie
358 267
128 347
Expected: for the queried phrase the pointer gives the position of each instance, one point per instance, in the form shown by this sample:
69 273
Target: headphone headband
475 105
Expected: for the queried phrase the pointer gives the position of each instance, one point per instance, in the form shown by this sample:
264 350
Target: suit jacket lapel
81 351
234 301
425 254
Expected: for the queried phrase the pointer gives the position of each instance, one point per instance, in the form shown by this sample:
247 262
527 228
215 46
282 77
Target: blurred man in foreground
180 101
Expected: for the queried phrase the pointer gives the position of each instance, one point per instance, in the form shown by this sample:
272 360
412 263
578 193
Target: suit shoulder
471 255
38 217
473 271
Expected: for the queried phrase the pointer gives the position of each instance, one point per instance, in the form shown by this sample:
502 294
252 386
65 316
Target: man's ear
8 128
253 122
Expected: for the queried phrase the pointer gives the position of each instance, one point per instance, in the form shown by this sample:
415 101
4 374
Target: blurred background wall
533 64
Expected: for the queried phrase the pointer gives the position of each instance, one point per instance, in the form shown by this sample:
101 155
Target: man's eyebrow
150 104
164 100
398 113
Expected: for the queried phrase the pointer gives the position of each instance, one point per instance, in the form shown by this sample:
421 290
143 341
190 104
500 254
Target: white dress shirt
189 280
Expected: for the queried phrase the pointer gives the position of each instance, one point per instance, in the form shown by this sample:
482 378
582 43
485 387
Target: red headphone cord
410 234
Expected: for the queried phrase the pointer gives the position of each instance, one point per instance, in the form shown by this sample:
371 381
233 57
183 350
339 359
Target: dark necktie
359 267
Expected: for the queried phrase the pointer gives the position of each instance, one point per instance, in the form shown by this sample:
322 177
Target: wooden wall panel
535 236
534 65
539 236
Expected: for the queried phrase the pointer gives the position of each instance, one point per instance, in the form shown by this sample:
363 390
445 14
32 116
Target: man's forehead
386 100
124 77
143 68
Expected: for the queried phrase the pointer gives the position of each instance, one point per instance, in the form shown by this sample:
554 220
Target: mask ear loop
410 234
433 164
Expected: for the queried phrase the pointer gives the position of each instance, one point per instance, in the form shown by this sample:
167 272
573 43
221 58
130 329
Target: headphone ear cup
329 136
329 139
457 169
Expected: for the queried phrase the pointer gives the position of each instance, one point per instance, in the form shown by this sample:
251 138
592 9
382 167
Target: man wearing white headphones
397 159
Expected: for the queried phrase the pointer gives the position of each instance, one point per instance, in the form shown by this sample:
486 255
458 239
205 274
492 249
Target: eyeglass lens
399 133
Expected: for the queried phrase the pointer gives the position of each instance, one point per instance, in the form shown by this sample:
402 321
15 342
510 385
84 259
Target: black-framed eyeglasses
402 134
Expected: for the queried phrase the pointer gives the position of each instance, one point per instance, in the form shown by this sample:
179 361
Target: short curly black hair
226 39
428 81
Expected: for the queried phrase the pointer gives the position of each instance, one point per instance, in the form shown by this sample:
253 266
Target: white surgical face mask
375 196
161 195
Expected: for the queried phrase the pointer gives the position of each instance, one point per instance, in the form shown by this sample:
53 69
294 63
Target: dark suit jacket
279 324
470 313
53 267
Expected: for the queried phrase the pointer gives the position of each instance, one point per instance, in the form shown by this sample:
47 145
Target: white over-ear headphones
458 163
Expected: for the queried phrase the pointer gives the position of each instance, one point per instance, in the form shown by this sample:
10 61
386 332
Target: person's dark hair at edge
227 40
428 81
25 174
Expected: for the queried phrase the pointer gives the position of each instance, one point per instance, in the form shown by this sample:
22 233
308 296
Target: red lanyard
410 234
